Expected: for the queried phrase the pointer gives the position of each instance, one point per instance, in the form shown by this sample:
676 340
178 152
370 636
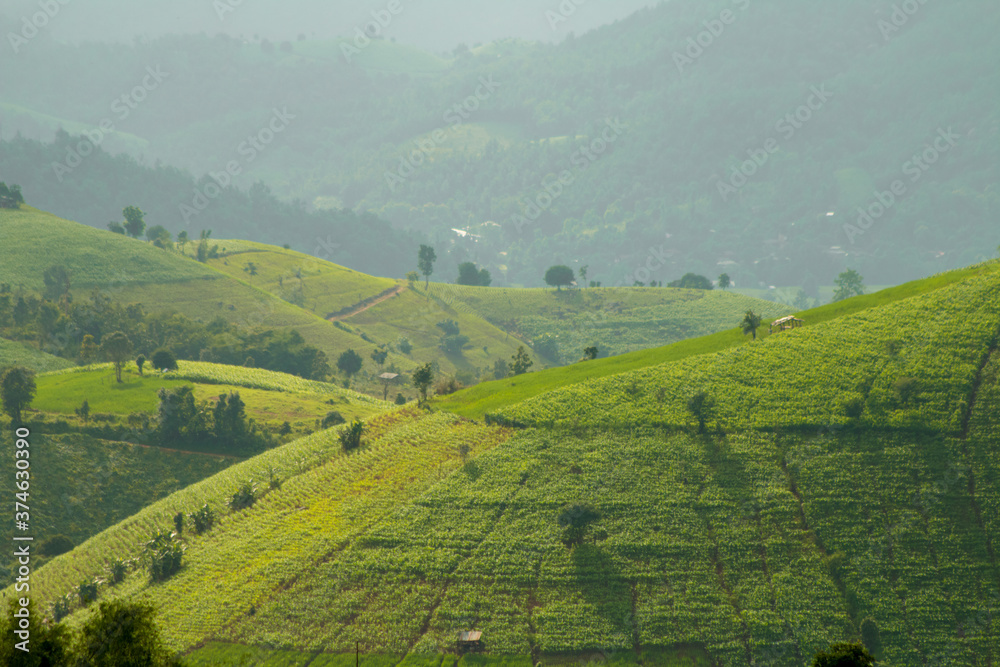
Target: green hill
13 353
786 526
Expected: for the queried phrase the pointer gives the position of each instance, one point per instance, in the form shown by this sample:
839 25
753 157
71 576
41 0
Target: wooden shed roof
470 636
785 320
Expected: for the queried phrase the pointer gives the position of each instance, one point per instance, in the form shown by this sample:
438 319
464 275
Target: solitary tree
412 277
140 361
724 281
425 262
849 283
520 362
182 239
750 324
251 270
83 412
692 281
349 362
590 353
164 360
134 221
559 275
700 405
575 520
379 355
844 655
116 348
583 274
422 379
17 388
88 349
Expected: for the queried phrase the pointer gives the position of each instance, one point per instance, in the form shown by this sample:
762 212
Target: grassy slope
271 398
494 396
13 353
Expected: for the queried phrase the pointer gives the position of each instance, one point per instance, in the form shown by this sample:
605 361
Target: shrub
906 388
164 359
575 520
117 569
244 497
87 591
400 399
854 406
179 522
285 429
61 608
333 418
350 437
203 519
164 555
405 346
447 386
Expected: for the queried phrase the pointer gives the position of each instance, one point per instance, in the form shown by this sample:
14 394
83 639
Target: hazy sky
436 25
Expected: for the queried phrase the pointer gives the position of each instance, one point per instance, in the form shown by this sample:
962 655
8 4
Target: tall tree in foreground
425 262
17 389
122 633
750 324
844 655
49 644
117 348
849 283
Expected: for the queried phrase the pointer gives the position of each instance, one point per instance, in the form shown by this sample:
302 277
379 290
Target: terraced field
13 353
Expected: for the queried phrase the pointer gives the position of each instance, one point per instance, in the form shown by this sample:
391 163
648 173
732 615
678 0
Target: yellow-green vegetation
490 397
13 353
616 320
271 398
322 287
33 240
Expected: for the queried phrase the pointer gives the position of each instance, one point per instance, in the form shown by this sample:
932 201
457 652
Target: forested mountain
829 105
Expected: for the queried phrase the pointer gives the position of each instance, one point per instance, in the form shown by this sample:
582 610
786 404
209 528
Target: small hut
790 322
387 379
470 640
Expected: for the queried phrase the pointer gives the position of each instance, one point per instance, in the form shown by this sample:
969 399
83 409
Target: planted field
616 320
495 396
13 353
933 344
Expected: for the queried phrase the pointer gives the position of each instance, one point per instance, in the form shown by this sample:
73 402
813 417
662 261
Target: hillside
13 353
778 531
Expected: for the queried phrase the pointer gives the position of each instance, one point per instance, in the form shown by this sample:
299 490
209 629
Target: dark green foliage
122 634
243 497
500 369
135 221
350 437
589 353
849 283
140 361
164 360
332 418
692 281
454 344
854 407
468 274
57 282
520 362
906 389
159 236
751 322
86 591
700 405
379 355
10 196
400 399
844 655
116 227
449 327
116 348
871 637
404 345
575 520
17 390
285 429
56 545
179 523
425 262
725 282
423 377
547 345
163 556
559 276
349 362
50 645
117 569
203 518
221 427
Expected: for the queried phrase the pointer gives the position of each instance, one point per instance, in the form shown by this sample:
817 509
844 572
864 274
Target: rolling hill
793 521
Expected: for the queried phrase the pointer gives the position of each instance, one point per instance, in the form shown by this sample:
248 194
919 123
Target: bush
244 497
447 386
854 406
164 359
350 437
405 346
203 519
333 418
56 545
400 399
285 429
179 522
117 569
61 608
87 591
164 555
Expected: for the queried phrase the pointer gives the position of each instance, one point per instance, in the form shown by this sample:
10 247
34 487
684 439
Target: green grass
13 353
16 116
494 396
33 240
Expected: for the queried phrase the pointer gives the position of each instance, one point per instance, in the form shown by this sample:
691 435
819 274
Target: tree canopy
559 276
17 389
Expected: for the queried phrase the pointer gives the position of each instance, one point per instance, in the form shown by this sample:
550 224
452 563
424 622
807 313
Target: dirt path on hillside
366 304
